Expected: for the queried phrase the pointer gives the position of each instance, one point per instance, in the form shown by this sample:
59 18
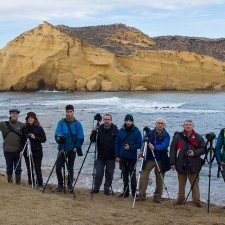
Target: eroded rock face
47 58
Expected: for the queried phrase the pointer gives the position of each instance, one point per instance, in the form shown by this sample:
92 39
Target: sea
205 108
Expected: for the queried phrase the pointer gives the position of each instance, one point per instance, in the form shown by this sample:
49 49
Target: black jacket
105 142
40 137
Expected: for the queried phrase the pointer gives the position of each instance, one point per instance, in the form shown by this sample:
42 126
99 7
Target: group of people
123 146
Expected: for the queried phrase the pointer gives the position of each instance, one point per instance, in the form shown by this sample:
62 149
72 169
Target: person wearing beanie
127 143
36 134
11 133
70 136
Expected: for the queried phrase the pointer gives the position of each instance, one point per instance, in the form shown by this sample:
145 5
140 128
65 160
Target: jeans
128 167
37 167
69 158
12 159
102 167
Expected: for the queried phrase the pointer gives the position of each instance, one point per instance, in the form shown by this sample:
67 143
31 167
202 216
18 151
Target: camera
98 117
210 136
146 129
189 152
61 139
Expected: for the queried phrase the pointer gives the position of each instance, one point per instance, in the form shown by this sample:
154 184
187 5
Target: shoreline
23 205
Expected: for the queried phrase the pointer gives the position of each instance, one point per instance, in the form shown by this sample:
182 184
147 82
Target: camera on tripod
210 136
98 117
61 139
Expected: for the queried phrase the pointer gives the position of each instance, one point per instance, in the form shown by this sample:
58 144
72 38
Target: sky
195 18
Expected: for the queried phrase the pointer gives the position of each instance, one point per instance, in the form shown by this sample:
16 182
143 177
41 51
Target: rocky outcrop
53 57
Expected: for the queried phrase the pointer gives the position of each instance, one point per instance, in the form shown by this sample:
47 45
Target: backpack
222 133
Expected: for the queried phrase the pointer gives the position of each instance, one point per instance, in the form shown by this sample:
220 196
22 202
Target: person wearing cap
11 133
158 141
70 137
36 134
127 143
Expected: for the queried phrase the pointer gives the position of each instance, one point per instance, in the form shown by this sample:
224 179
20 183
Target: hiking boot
107 192
58 189
199 205
41 188
18 178
140 198
156 200
177 203
94 191
70 189
9 178
124 195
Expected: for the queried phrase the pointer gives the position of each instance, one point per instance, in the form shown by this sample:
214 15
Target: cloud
81 9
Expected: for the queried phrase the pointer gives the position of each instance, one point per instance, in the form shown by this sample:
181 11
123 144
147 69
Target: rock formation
106 58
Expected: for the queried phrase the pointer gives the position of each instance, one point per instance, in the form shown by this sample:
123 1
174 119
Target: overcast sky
198 18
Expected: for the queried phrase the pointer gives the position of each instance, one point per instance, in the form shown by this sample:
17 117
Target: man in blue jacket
127 143
70 137
158 142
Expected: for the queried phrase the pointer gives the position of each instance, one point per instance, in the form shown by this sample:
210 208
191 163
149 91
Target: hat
129 117
14 110
31 114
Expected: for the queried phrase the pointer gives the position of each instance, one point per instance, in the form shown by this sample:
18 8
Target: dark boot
18 179
9 178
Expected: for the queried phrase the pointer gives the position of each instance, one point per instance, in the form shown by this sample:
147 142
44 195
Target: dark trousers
128 168
60 163
12 159
102 167
37 167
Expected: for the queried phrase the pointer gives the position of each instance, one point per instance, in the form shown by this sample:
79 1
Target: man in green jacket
11 133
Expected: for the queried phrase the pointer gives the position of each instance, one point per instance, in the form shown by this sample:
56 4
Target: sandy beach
23 205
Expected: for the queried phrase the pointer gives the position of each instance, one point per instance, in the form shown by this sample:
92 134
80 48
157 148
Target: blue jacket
77 131
134 140
219 145
160 143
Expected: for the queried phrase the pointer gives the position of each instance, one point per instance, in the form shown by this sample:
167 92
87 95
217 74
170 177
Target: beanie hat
129 117
31 114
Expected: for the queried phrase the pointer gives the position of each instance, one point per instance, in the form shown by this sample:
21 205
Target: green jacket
12 141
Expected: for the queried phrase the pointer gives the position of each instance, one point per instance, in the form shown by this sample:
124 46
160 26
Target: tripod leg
51 172
82 165
49 177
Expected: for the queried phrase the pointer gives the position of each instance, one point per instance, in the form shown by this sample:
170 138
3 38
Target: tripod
209 157
63 152
139 175
31 162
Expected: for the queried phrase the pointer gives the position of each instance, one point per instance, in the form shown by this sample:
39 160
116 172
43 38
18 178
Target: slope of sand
22 205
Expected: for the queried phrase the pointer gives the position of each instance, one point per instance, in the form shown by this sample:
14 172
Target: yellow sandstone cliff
47 58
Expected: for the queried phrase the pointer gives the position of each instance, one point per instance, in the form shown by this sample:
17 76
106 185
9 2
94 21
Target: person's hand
95 128
191 153
32 136
151 146
126 147
117 159
140 154
173 167
75 149
222 163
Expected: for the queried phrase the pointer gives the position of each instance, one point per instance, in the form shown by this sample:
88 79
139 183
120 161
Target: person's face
14 116
160 124
188 126
107 121
69 113
128 123
30 120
